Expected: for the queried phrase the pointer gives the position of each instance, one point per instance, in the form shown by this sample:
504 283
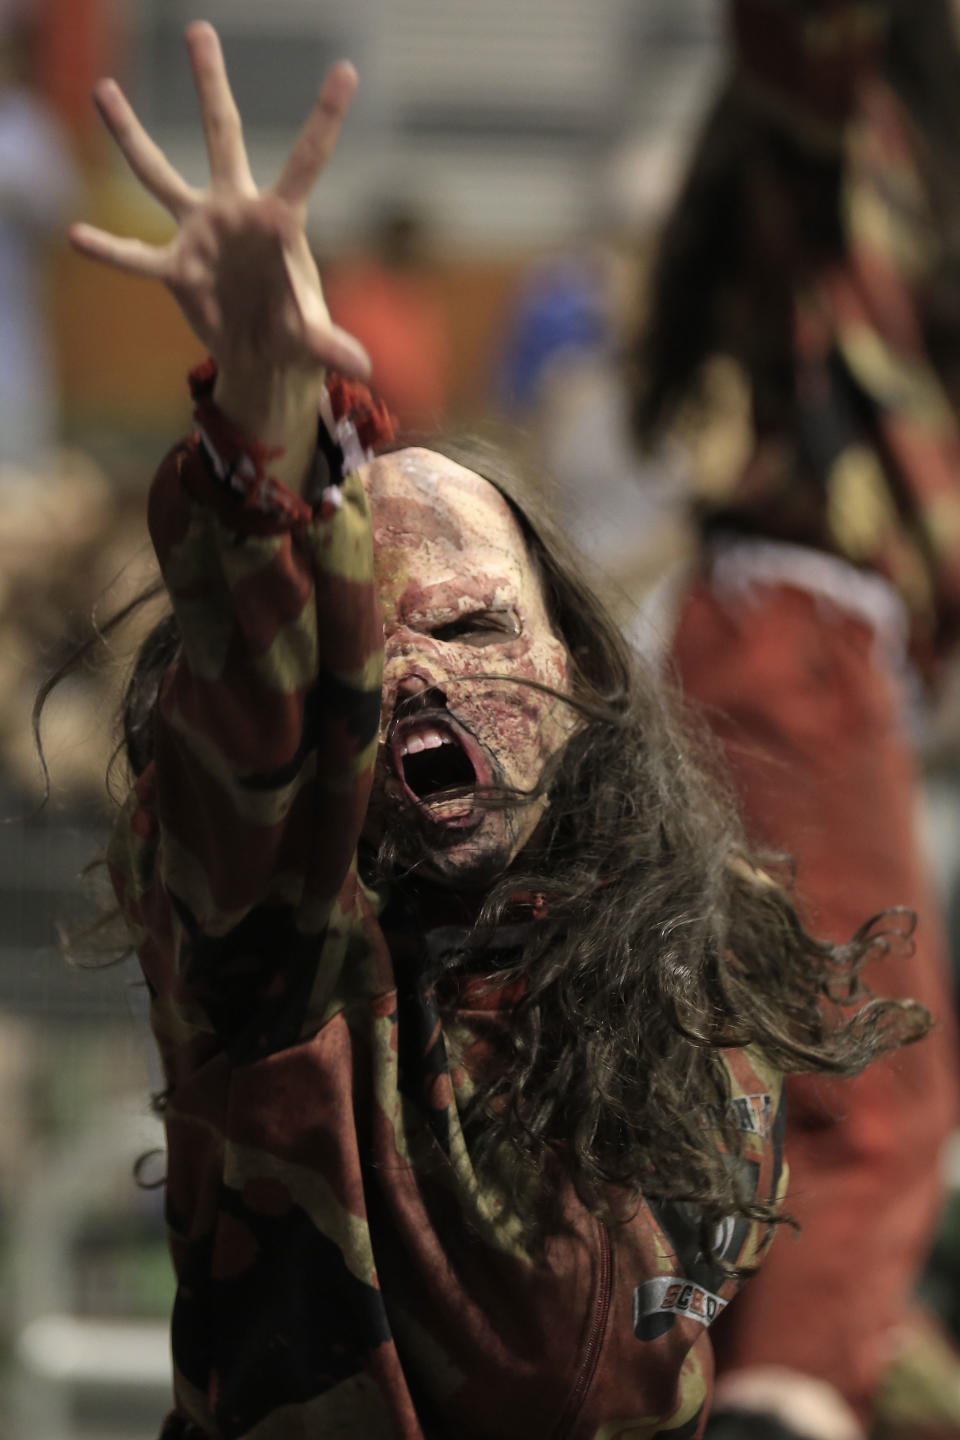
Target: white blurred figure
38 183
562 378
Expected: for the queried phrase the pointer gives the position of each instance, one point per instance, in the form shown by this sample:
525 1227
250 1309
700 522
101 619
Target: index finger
146 160
318 138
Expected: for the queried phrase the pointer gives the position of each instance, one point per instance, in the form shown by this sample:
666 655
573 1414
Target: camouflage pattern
919 1398
867 468
343 1271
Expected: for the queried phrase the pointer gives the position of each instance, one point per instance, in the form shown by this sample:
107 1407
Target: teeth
426 739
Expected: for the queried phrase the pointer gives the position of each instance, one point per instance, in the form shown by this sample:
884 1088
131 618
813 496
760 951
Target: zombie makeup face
461 602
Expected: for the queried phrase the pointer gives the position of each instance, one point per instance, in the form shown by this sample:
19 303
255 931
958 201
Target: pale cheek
553 667
522 727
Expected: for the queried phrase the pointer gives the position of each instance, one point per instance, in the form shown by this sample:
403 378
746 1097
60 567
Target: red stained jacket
342 1270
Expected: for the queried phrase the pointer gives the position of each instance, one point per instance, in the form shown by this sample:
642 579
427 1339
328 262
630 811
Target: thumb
339 350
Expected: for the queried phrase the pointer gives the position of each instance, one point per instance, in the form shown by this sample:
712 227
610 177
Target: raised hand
239 266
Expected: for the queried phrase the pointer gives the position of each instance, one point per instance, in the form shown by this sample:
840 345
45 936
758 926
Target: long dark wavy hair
713 247
662 941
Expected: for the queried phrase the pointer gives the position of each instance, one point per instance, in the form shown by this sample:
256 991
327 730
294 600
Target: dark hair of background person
661 944
760 211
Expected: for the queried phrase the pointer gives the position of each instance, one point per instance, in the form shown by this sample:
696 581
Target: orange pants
809 724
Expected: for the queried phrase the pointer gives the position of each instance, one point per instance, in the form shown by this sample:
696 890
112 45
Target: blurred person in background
562 387
38 187
471 1006
388 298
816 244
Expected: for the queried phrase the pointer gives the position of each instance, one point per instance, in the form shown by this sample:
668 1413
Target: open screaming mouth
434 766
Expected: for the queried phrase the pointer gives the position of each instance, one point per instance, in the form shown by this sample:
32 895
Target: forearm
277 408
269 719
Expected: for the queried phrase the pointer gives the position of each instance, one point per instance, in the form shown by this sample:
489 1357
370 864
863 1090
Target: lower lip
454 813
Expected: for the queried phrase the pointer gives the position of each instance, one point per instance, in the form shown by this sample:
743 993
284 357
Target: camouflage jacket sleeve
237 846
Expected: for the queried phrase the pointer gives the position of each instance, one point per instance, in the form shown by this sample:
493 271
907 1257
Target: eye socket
481 627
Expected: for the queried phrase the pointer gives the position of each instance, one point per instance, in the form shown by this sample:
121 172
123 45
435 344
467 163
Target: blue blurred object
560 309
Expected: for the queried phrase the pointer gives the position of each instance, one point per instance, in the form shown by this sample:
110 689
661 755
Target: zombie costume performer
471 1004
341 1268
803 243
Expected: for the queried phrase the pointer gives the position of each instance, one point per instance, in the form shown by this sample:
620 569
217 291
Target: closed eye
481 627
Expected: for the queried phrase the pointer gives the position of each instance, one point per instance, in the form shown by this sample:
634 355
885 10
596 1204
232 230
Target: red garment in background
78 41
400 318
809 724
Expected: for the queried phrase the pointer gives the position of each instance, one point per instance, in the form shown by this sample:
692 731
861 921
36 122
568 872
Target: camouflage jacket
341 1270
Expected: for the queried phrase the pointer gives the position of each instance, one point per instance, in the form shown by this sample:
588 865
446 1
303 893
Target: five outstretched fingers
229 170
146 159
221 118
318 138
124 254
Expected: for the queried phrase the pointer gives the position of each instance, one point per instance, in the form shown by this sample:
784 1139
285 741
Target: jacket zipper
595 1335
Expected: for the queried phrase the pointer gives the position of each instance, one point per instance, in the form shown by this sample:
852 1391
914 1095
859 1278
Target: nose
411 668
415 686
